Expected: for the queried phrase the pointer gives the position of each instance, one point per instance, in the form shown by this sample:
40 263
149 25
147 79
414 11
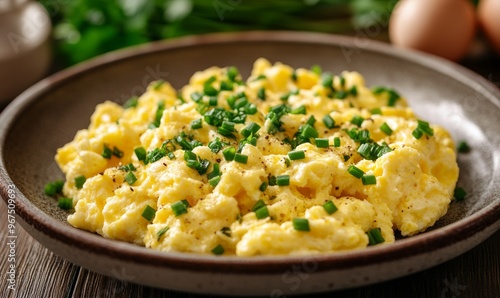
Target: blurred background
49 35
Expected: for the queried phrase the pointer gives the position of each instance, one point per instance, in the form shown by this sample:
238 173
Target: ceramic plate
46 116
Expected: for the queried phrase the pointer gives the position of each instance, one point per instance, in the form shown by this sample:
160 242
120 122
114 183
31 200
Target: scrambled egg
292 161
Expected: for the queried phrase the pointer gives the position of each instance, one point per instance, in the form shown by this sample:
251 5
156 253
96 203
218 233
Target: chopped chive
463 147
260 77
287 162
250 109
299 110
162 232
272 180
214 181
363 136
386 129
196 124
232 73
311 120
346 157
241 158
131 102
261 94
179 208
322 142
259 204
54 187
369 180
226 86
65 203
130 178
283 180
459 194
393 97
376 111
215 145
117 152
357 120
148 213
425 128
158 115
262 212
353 91
417 133
330 207
355 171
336 142
212 101
106 152
196 96
341 94
218 250
316 69
301 224
157 85
375 236
294 76
328 121
215 171
327 80
295 155
127 168
210 90
226 231
79 181
309 132
263 186
229 153
252 128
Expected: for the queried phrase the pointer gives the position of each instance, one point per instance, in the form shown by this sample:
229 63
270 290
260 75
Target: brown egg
489 18
441 27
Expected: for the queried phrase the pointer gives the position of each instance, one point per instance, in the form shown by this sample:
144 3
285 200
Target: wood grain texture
40 273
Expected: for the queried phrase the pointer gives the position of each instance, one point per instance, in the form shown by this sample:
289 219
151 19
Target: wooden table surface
40 273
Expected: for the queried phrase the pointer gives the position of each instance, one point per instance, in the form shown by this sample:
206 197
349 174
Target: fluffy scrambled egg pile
292 161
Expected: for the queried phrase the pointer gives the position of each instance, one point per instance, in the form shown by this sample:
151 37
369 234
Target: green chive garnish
262 212
336 142
79 181
295 155
214 181
141 154
131 102
162 232
355 171
299 110
328 121
232 73
327 80
259 204
322 143
309 132
241 158
368 179
375 236
148 213
229 153
301 224
459 194
130 178
180 207
283 180
463 147
330 207
261 94
196 124
65 203
53 188
386 129
106 152
218 250
263 186
357 120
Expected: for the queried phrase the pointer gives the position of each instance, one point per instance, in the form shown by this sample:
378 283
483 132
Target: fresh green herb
79 181
218 250
262 212
355 171
336 142
229 153
459 194
316 69
283 180
162 232
294 76
226 231
295 155
159 114
463 147
340 94
261 94
130 178
196 96
376 111
127 168
155 155
330 207
54 187
157 84
226 86
180 207
210 90
328 121
353 91
117 152
299 110
375 236
215 145
309 132
260 77
327 80
141 154
301 224
259 204
131 102
65 203
215 171
212 101
252 128
322 142
214 181
386 129
423 127
357 120
106 152
148 213
369 180
373 151
241 158
263 186
232 73
196 124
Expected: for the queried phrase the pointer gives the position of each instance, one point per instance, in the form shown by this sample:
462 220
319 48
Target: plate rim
431 240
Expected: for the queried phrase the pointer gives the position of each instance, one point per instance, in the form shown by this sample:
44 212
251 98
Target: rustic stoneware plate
47 116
